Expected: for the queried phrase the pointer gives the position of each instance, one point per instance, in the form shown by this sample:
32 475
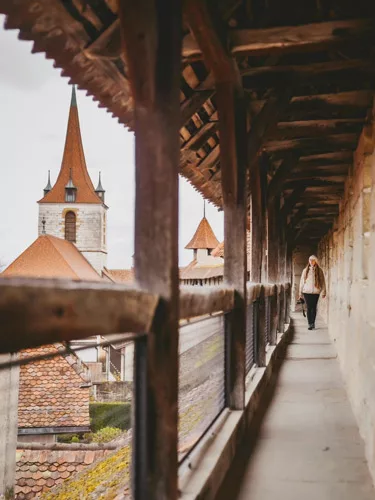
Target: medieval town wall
347 255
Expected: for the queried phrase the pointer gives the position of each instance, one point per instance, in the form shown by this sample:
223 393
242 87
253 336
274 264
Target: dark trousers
311 300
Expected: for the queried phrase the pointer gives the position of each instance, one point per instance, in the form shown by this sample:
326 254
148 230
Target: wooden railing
36 312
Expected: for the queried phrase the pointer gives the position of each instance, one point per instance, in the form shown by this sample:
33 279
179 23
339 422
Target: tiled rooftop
203 238
39 471
51 392
51 257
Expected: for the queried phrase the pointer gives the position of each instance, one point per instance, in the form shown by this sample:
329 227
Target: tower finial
99 190
204 208
48 188
73 101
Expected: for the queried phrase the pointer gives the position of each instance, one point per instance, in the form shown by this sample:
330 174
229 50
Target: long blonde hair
317 283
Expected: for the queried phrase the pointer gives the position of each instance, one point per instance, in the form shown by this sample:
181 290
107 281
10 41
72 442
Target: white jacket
308 285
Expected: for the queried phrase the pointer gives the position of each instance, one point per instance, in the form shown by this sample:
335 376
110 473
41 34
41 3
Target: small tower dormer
48 188
70 190
99 190
203 241
72 208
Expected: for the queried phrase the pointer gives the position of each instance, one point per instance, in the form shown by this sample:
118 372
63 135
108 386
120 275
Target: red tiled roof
51 257
121 275
219 250
51 392
73 161
39 471
204 237
194 271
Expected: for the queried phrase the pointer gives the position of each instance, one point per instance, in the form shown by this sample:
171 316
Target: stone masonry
347 257
91 228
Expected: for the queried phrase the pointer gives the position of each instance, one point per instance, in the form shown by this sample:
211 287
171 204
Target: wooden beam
313 145
316 128
315 160
210 160
349 105
264 123
202 135
311 74
297 217
257 229
196 301
320 106
292 200
193 104
273 237
289 39
152 45
70 311
232 130
281 174
301 171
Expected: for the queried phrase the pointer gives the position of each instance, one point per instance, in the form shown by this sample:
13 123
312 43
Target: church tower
73 209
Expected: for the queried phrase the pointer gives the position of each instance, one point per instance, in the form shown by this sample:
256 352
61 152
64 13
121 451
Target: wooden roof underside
307 70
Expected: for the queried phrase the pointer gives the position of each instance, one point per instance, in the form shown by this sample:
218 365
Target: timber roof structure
306 70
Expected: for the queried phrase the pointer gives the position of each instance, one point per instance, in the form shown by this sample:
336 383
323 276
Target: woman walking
312 285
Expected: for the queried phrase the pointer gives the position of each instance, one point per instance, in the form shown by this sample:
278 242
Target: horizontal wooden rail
66 446
35 312
195 301
253 291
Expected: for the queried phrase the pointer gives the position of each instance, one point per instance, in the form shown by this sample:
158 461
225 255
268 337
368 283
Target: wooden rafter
289 39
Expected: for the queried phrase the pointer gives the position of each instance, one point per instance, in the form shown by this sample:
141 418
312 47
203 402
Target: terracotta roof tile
73 161
51 257
121 275
219 250
36 474
204 237
51 392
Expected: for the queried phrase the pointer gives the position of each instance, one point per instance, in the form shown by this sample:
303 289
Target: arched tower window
70 226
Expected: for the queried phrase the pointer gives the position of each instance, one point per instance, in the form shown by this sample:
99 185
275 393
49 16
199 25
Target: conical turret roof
73 166
204 237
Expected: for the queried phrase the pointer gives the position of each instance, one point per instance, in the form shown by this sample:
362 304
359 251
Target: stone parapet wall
347 256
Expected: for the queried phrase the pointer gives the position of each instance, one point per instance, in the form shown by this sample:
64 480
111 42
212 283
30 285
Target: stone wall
91 228
349 310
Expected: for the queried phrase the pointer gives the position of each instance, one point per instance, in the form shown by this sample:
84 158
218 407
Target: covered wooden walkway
309 445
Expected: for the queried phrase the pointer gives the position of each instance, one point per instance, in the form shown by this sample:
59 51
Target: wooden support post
9 386
273 239
274 317
261 340
281 326
233 168
256 225
233 163
151 32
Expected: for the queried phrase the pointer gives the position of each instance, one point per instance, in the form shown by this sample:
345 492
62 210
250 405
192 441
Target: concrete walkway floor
309 446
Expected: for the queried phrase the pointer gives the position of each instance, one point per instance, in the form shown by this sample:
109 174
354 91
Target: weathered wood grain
35 312
152 45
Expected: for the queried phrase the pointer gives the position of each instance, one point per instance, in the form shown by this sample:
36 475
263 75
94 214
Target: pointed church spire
73 100
99 190
48 188
73 165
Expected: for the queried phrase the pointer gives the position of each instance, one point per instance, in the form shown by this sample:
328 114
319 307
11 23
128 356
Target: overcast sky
34 106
